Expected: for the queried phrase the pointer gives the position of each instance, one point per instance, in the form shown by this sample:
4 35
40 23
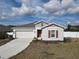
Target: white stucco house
41 30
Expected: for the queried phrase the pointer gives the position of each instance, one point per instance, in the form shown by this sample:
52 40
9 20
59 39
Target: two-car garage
24 33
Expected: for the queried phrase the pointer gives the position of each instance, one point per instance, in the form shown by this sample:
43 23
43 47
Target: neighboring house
41 30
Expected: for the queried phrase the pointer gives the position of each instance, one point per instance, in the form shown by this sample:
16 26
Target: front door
39 33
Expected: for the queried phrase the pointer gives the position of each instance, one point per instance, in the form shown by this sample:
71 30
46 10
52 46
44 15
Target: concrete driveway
14 47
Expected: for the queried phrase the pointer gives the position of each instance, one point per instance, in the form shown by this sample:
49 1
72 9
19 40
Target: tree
69 26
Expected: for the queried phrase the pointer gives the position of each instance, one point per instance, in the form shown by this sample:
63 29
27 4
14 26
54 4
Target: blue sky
26 11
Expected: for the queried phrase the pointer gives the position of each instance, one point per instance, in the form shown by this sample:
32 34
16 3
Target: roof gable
40 22
53 24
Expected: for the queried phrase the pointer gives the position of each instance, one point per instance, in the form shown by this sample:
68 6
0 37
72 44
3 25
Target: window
53 33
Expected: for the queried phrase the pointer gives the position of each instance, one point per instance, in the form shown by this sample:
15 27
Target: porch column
14 34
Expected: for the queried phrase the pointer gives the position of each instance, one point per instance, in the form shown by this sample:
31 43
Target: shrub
10 37
67 39
3 35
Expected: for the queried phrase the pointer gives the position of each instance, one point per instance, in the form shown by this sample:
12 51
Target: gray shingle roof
26 25
30 24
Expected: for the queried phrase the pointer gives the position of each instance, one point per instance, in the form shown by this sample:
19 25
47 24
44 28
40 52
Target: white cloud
57 8
4 14
26 2
2 17
52 6
25 9
22 10
67 3
59 13
40 10
73 10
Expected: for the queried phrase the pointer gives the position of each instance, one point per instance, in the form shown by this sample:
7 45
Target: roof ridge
53 24
41 21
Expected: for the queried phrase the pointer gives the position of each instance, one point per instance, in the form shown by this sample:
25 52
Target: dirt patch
50 50
4 41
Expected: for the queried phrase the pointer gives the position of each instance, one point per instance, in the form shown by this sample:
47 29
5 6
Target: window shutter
49 34
57 34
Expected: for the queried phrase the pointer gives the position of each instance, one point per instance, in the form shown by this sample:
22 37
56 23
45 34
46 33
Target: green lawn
50 50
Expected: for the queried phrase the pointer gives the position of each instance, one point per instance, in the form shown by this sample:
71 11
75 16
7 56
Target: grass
4 41
50 50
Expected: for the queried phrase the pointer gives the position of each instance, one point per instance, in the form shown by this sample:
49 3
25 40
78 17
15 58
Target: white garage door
24 34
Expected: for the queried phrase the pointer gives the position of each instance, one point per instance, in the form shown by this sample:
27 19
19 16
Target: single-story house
41 30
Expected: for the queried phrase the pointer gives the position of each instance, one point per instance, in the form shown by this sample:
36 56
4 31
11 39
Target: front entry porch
39 33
